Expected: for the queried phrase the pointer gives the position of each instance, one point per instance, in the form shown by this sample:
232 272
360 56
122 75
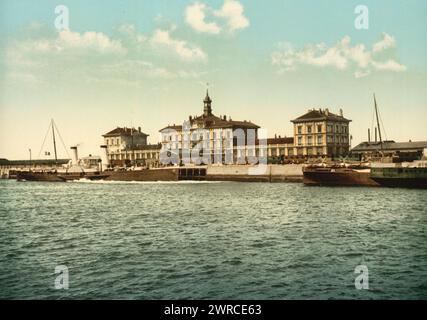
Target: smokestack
369 135
104 157
75 157
375 134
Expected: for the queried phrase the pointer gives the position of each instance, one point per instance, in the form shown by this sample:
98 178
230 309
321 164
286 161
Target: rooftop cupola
207 110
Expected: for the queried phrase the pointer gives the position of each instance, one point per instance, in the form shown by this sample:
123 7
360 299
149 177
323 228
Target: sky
147 63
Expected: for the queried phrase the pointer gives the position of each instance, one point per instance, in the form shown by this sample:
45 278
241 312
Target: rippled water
211 240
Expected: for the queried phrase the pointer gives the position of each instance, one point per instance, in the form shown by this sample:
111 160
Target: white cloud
229 17
72 57
129 30
184 50
89 40
385 43
72 41
232 11
390 65
341 56
195 17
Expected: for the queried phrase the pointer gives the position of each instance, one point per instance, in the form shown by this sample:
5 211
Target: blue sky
145 63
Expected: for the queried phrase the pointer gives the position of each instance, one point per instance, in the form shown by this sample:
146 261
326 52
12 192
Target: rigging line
372 123
60 137
385 132
45 137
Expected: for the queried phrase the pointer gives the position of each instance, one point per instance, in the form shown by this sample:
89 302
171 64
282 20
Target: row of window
195 136
310 129
206 145
138 156
329 139
112 142
338 128
336 139
310 140
319 127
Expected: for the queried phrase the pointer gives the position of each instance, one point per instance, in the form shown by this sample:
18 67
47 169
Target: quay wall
273 173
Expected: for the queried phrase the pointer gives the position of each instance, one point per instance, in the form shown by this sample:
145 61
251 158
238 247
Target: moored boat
75 169
404 175
52 176
343 175
338 176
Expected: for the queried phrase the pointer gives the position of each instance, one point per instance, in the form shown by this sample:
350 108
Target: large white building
216 136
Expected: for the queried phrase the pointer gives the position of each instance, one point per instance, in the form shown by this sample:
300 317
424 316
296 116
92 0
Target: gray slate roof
390 145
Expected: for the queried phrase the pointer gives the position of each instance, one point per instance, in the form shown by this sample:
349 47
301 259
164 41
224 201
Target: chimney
327 111
225 117
341 113
104 157
190 118
369 135
75 157
139 129
275 136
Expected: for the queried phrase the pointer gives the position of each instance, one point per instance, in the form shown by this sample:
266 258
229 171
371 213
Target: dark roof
390 145
214 122
320 115
174 127
284 140
124 132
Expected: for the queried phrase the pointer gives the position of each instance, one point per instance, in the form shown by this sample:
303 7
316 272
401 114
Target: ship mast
133 149
378 122
54 142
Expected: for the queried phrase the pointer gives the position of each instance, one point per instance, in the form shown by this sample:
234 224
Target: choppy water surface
211 240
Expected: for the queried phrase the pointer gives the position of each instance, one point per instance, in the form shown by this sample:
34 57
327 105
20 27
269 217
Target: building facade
128 146
215 138
321 133
211 139
280 147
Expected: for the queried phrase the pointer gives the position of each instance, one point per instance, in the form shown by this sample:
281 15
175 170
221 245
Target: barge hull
338 178
402 182
144 175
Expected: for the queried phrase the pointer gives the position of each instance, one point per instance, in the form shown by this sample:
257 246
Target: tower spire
207 102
